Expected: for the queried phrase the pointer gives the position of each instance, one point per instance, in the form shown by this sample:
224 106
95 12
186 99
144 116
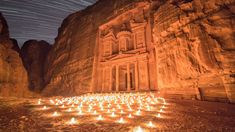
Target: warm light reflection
122 105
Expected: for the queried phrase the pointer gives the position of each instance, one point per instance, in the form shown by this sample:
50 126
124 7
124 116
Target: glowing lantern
129 116
150 124
39 102
121 120
113 114
72 121
44 107
55 114
95 112
100 117
158 115
138 129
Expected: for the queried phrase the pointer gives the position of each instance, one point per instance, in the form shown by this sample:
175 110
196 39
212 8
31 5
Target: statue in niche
124 27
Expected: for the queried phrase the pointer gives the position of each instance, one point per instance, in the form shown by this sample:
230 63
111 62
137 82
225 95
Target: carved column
110 76
117 78
136 77
103 84
128 77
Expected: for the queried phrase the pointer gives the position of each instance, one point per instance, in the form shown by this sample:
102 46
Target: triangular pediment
120 56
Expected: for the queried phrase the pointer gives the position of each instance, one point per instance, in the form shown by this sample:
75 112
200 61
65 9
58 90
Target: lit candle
39 102
95 112
55 114
150 124
138 112
108 111
80 112
129 116
62 106
69 109
138 129
100 117
113 114
122 112
161 110
72 121
121 120
44 107
158 115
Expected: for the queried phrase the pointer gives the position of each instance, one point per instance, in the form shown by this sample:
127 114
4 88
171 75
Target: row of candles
108 103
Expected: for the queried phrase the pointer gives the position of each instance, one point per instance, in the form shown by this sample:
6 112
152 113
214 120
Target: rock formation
71 61
34 54
195 45
189 45
13 76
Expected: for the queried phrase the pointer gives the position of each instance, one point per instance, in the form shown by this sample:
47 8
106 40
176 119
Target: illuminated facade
125 56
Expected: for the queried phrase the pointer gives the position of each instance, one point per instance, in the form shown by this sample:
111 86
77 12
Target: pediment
120 56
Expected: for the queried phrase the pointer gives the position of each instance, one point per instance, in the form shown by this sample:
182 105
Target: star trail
38 19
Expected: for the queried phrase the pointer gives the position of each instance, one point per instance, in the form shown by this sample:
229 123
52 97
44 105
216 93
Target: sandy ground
178 115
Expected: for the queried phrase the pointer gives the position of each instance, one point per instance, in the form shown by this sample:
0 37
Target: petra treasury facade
126 53
179 48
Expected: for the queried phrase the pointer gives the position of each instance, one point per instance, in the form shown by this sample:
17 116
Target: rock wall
70 62
195 43
34 54
13 76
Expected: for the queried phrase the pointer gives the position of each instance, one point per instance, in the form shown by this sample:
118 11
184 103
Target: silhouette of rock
34 54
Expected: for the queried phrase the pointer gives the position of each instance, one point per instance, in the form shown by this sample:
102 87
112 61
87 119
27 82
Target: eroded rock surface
34 54
70 62
195 44
13 76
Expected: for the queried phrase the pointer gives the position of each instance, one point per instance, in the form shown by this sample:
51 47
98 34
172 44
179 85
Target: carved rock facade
178 47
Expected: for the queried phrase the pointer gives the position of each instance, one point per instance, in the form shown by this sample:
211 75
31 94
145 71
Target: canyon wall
71 61
13 76
34 54
195 48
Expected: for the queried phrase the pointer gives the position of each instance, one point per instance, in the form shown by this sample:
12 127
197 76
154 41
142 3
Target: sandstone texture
34 54
190 47
195 45
13 76
71 61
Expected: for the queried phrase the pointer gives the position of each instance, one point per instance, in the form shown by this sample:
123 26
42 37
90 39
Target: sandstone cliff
34 54
13 76
195 42
70 62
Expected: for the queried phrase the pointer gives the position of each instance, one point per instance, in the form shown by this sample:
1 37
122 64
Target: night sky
38 19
